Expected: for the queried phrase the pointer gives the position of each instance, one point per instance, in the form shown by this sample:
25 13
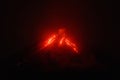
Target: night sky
27 23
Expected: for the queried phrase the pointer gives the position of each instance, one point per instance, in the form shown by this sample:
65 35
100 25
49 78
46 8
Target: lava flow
61 40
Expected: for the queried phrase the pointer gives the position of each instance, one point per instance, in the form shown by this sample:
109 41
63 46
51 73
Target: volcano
60 38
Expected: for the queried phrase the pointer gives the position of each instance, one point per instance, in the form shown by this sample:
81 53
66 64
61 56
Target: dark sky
90 22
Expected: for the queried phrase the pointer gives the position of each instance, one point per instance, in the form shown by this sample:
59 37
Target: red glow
50 40
61 38
72 45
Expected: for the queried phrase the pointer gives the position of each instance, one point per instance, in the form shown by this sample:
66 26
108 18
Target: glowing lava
61 39
50 40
